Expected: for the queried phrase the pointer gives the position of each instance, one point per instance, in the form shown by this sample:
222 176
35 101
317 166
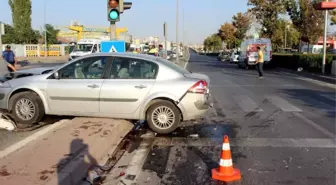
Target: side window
129 68
88 68
95 49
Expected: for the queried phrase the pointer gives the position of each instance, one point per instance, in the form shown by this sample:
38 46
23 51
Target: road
281 128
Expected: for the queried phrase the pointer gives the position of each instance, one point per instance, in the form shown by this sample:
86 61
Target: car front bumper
4 93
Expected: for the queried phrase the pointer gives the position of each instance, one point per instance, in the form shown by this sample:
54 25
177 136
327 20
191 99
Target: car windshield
174 66
83 47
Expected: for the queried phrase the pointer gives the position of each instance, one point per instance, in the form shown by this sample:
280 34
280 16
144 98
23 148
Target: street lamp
45 31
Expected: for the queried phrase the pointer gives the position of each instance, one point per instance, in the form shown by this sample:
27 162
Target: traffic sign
113 46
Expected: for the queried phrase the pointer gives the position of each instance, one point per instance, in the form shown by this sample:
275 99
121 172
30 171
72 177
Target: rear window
173 66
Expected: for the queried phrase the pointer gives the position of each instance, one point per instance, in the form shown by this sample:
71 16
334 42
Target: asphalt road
282 131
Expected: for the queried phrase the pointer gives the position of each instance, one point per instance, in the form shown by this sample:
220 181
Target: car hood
24 73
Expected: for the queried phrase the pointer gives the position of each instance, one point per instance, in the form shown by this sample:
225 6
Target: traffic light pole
177 32
325 40
113 31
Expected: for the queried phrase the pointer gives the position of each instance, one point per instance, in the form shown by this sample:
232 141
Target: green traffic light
114 14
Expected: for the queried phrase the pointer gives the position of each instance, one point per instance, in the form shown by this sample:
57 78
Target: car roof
125 54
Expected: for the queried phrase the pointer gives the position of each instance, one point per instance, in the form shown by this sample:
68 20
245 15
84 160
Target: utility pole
113 31
325 39
165 30
285 37
183 27
45 31
1 32
177 32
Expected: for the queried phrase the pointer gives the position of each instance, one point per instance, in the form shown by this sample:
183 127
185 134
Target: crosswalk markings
247 104
283 104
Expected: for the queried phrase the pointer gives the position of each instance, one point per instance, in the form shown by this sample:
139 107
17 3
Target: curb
326 79
31 138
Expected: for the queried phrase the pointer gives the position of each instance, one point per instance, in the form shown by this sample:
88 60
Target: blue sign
113 46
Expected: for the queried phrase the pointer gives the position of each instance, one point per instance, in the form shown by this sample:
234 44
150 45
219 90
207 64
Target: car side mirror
56 75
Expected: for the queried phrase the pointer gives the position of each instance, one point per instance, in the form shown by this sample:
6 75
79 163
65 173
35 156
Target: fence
36 50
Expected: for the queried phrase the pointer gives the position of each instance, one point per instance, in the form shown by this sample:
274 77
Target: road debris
193 136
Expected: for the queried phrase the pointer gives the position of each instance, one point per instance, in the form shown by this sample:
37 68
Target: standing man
153 50
162 52
9 56
260 63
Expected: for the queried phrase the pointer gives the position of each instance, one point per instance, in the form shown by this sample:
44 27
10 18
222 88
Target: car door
76 91
129 83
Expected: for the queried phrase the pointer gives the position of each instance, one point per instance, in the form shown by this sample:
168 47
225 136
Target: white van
249 53
85 47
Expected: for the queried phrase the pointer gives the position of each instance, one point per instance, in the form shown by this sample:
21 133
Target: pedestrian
162 52
153 50
260 63
9 56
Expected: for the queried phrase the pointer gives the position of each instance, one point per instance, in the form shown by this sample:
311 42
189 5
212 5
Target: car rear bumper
194 105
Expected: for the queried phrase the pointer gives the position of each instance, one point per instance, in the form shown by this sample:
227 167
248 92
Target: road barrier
37 50
225 172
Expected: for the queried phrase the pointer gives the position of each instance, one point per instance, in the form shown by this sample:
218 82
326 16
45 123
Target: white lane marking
250 142
225 162
30 138
282 104
226 146
247 104
314 125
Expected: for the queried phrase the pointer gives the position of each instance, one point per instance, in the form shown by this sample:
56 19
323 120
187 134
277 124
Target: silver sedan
116 85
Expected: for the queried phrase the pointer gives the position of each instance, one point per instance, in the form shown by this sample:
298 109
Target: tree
307 20
333 17
285 30
242 24
267 13
212 43
51 34
227 33
21 17
9 37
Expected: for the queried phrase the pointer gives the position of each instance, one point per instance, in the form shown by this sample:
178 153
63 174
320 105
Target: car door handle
140 86
93 86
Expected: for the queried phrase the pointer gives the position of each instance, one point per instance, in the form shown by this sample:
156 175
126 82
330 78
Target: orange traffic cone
225 171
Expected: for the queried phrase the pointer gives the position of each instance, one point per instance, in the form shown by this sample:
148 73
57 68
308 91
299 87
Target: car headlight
4 85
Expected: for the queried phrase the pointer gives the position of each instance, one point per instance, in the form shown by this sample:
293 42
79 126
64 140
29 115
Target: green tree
21 18
9 37
267 13
242 24
227 33
307 20
333 17
212 43
51 34
285 30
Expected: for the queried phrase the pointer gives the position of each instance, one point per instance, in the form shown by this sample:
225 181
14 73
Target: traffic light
113 10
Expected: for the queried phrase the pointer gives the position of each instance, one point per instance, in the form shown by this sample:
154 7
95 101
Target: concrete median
64 155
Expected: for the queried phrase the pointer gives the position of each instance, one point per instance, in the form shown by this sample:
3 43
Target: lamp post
177 32
45 31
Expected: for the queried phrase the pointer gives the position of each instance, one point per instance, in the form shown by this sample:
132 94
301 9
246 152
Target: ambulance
85 47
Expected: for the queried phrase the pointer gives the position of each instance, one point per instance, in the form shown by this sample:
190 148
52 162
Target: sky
145 18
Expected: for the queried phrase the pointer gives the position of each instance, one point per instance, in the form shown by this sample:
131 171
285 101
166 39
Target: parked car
234 57
224 56
117 85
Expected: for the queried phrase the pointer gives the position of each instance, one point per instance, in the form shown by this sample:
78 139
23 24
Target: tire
151 120
33 100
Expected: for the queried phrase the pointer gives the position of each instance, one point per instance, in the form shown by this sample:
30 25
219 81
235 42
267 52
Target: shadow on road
324 101
77 147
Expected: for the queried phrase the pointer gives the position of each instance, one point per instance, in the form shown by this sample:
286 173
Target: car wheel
163 117
26 108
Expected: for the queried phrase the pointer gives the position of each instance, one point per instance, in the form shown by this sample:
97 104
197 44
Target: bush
309 62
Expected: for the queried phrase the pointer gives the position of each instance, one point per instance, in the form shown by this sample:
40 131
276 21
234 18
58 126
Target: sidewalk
331 79
64 155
